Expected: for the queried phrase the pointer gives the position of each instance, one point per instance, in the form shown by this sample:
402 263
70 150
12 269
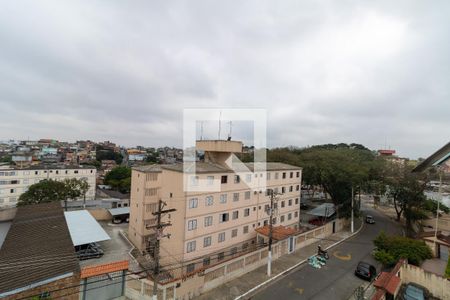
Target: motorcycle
322 253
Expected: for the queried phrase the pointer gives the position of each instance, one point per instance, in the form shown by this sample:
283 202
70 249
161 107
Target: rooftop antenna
229 134
220 117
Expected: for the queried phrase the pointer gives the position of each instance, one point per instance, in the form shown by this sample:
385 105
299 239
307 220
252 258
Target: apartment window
275 190
283 190
276 175
220 256
289 216
234 233
221 237
233 251
192 224
57 172
190 268
75 172
235 196
245 229
209 200
246 212
223 198
291 188
67 172
296 200
194 180
284 175
207 241
268 176
298 174
282 204
209 180
208 221
268 192
248 177
290 202
193 203
281 219
247 195
223 179
235 215
291 175
224 217
296 214
266 207
237 179
12 191
206 261
266 222
274 221
190 246
297 188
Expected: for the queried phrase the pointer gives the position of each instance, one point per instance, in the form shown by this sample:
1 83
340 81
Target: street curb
249 292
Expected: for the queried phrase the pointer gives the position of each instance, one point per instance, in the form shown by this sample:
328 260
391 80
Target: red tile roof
388 282
278 232
90 271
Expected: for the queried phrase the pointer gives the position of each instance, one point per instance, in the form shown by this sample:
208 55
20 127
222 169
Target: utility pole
352 224
269 257
159 227
437 210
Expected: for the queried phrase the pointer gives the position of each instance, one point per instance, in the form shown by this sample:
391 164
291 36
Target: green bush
447 270
392 248
385 258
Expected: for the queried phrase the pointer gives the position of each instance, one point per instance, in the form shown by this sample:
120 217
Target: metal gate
443 252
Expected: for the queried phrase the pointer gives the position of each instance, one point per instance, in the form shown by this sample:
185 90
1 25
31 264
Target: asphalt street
335 280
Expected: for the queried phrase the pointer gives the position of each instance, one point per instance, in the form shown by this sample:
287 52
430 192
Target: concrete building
15 181
211 224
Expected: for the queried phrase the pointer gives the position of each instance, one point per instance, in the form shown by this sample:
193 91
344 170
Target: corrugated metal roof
323 210
437 158
37 248
83 228
119 211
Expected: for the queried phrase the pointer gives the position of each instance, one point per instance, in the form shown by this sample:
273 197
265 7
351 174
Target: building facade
15 181
211 224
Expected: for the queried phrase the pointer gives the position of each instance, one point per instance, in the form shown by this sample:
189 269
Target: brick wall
57 289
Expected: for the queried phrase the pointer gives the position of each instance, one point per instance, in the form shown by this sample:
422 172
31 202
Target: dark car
89 251
370 220
365 271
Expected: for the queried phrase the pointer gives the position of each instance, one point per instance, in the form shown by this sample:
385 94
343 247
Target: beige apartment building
210 225
14 181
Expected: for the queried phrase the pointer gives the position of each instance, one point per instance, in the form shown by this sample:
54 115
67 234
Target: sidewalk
239 286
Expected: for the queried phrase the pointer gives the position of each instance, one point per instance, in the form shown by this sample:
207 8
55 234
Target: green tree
49 190
391 248
6 158
119 179
337 168
45 191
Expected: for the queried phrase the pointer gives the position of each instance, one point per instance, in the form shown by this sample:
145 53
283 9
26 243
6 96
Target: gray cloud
325 71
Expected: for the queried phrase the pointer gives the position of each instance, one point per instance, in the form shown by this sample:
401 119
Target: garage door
443 252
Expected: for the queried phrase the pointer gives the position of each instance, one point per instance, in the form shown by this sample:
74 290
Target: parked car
370 220
413 291
365 271
88 251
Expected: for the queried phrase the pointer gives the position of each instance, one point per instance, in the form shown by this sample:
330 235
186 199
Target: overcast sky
370 72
